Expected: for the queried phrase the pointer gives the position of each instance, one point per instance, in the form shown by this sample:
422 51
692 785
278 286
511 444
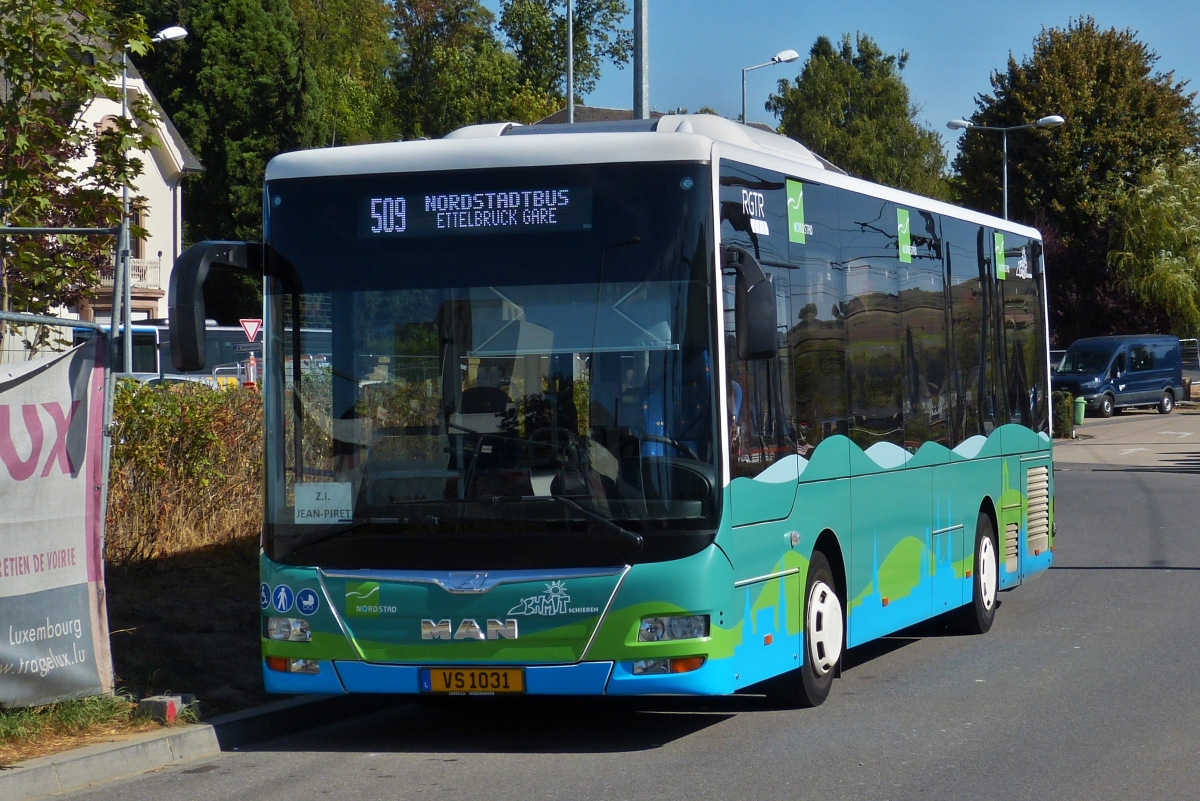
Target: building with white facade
161 184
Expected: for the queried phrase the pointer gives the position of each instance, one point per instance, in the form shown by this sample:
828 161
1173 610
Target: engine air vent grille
1037 515
1012 534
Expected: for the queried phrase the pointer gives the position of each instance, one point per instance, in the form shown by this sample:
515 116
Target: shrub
186 469
1063 404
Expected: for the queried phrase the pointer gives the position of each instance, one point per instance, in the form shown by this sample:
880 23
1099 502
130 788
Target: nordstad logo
362 600
554 601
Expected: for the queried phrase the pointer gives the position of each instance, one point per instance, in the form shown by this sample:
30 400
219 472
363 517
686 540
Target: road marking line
1180 434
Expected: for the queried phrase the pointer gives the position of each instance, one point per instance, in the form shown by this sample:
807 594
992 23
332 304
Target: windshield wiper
632 541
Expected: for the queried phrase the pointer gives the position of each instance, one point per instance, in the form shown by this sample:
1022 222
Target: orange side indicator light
768 639
687 664
277 663
968 574
885 601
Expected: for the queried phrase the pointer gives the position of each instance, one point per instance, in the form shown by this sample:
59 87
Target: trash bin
1187 388
1080 409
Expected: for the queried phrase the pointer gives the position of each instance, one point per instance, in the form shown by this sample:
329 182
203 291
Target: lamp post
1052 121
122 291
782 57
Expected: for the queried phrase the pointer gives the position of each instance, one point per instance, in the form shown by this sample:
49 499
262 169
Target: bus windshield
520 371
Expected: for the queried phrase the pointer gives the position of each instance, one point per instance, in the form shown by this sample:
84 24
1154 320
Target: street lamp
122 290
1052 121
782 57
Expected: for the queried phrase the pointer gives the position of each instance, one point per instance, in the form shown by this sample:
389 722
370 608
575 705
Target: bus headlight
682 627
288 628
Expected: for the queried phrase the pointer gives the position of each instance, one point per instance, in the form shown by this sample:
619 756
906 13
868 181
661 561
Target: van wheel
1166 403
1106 405
824 640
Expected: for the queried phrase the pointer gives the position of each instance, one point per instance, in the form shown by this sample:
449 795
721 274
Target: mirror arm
185 294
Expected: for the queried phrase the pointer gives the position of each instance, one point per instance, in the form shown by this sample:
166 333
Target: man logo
468 629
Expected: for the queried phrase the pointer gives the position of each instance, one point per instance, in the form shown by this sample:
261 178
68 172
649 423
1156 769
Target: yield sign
251 328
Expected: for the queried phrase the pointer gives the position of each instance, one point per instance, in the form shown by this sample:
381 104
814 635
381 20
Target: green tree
239 93
55 58
452 71
348 49
536 31
850 105
1156 253
1122 118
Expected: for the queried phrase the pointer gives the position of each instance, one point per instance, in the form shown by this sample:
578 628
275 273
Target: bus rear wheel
978 615
824 639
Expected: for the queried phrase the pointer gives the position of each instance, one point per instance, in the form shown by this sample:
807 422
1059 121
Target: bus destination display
514 211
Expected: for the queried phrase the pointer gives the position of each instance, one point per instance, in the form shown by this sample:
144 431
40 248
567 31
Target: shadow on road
542 725
523 726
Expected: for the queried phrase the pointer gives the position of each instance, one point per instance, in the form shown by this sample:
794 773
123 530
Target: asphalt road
1086 688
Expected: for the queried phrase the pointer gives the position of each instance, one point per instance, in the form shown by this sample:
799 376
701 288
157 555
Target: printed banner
53 624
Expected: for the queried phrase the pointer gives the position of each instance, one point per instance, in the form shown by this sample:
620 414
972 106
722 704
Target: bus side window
816 330
872 314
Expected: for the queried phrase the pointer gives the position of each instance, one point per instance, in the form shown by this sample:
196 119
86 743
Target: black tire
1166 404
1107 404
824 643
977 616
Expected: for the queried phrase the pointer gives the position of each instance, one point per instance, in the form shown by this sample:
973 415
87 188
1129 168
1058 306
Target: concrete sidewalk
1136 438
138 753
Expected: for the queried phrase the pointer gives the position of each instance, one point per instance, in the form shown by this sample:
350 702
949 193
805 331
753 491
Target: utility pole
570 62
641 60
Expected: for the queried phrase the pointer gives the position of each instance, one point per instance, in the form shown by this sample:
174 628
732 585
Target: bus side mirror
754 306
185 295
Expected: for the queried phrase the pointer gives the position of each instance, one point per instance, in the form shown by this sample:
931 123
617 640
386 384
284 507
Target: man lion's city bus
655 407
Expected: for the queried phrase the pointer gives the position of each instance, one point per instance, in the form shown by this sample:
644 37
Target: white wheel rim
824 628
987 572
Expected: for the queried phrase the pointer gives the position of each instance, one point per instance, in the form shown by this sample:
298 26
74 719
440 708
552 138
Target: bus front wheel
824 639
978 615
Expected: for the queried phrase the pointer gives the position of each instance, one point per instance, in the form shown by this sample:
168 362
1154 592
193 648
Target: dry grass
184 516
41 730
186 471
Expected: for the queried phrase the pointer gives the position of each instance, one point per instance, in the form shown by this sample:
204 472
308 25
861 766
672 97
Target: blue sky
698 47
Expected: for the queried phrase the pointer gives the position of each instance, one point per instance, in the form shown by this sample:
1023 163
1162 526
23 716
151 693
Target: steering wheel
682 447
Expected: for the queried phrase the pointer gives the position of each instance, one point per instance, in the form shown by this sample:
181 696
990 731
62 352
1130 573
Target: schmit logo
468 629
554 601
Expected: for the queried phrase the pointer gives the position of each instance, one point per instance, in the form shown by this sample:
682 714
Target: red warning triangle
251 328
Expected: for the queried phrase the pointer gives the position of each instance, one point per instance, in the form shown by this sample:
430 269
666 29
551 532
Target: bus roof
692 137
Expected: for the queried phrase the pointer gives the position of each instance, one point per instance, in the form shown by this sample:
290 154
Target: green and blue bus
655 407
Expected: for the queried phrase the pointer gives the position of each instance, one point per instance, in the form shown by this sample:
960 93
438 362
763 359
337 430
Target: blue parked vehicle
1122 372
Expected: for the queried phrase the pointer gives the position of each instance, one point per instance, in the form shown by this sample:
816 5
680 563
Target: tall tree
1156 252
452 71
348 49
55 58
850 104
239 93
536 31
1122 118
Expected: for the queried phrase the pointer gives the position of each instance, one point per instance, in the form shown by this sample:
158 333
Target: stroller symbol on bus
306 601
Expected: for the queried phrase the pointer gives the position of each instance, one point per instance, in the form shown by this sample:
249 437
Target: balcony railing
144 272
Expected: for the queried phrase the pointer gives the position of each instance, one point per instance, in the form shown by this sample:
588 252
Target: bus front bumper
583 678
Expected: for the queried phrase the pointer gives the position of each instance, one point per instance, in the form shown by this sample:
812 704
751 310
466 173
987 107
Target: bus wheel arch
823 623
979 613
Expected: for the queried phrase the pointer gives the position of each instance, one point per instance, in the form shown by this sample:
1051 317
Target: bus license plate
473 680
